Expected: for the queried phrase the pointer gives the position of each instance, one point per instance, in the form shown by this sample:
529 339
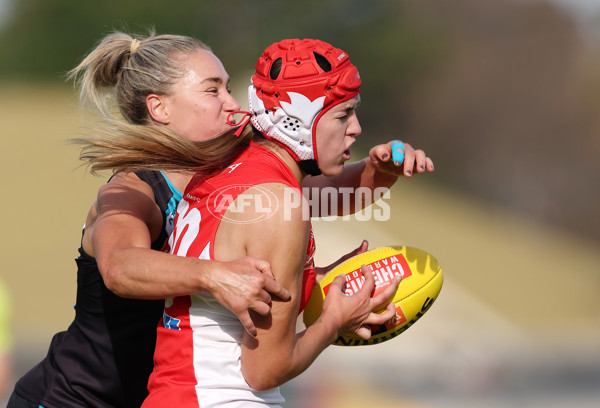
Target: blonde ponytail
133 68
120 146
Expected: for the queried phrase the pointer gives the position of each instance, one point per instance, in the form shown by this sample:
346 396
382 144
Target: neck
179 180
286 157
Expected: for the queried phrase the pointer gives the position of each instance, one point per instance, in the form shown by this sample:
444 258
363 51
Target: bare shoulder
125 181
125 192
125 203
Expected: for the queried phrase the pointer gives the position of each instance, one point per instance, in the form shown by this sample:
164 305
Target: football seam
421 288
412 293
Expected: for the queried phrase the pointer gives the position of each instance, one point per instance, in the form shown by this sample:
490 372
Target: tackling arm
119 233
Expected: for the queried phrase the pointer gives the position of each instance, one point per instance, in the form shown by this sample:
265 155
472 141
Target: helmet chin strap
309 167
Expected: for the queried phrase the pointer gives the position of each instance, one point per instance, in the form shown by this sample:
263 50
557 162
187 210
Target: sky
584 11
3 8
579 7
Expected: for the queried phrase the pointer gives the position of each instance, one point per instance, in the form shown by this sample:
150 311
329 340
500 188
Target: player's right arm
120 228
278 353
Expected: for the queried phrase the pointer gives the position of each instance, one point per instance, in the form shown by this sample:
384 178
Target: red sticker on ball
384 271
397 321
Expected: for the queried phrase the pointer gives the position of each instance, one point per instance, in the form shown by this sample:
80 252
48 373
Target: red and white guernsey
197 358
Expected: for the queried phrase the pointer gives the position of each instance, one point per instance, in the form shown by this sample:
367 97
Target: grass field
512 287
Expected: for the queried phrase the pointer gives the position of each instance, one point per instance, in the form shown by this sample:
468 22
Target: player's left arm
376 172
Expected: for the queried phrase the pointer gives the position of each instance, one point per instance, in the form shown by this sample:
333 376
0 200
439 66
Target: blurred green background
503 95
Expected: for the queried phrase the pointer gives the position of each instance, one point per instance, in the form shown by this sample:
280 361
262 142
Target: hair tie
134 46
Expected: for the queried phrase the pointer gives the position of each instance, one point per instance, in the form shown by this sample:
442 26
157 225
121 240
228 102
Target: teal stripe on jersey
177 196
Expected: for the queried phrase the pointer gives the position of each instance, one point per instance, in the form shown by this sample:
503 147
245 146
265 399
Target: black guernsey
104 358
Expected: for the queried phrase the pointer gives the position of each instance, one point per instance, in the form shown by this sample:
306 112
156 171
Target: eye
212 90
346 114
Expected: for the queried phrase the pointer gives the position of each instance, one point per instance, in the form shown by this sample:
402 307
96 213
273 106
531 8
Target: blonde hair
152 67
130 69
122 146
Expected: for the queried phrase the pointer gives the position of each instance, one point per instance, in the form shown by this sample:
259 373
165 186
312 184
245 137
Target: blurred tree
502 94
47 37
509 114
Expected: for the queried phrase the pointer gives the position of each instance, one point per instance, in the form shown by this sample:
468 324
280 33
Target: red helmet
295 83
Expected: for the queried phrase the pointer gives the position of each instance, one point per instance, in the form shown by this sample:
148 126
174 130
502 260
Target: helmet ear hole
275 69
322 61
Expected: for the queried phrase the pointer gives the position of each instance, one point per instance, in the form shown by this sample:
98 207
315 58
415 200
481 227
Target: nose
231 104
354 129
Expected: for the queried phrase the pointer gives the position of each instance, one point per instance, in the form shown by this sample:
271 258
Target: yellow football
421 284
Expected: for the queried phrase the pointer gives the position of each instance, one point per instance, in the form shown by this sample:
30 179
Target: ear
157 108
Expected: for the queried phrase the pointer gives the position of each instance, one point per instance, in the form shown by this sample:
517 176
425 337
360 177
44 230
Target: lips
347 154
